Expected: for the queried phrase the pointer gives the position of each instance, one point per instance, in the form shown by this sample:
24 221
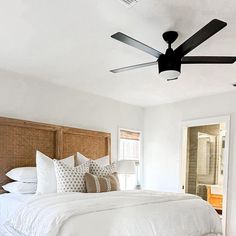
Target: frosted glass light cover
169 74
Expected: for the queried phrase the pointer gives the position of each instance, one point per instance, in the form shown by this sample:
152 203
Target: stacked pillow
25 180
51 176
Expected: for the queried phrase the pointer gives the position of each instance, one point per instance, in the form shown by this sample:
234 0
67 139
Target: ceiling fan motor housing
169 61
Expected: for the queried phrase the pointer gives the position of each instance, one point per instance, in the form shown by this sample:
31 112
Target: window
129 145
129 149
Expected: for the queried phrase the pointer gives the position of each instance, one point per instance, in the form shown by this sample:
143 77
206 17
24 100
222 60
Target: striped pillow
95 184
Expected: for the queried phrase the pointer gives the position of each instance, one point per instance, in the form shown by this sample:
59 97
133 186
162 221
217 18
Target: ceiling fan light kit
169 75
169 64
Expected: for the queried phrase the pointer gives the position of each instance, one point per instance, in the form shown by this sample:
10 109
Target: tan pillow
95 184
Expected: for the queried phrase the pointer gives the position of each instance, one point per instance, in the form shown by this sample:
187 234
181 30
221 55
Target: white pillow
46 173
70 179
19 187
23 174
81 159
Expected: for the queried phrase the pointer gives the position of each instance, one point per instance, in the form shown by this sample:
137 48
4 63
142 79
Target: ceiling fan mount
169 64
170 37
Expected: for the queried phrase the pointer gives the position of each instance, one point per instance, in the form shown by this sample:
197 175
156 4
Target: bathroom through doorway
205 161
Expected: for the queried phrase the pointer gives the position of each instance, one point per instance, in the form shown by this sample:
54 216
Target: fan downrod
170 36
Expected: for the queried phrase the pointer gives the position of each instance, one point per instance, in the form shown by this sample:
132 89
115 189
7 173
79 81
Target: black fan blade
133 67
202 35
172 79
208 60
134 43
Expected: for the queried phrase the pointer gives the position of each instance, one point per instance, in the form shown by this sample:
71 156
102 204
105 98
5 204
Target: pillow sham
102 171
46 176
81 159
70 179
20 187
95 184
23 174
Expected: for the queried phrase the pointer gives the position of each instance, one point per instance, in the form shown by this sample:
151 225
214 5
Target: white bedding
131 213
10 202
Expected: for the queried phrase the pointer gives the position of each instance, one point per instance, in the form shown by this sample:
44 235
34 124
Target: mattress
129 213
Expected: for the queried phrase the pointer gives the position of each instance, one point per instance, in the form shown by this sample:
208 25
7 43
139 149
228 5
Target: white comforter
132 213
10 202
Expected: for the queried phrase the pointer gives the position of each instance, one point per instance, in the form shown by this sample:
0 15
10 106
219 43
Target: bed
118 213
111 214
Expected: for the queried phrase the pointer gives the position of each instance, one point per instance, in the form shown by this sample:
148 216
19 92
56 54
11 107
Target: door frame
183 156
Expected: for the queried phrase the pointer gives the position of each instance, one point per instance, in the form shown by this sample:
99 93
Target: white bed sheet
117 214
9 203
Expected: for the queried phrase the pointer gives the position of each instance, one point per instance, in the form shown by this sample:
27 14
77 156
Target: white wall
32 99
162 143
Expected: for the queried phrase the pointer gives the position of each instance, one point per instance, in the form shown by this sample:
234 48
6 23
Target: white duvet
10 202
130 213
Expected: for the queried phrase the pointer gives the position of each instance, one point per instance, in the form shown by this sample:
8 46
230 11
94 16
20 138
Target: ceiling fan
169 64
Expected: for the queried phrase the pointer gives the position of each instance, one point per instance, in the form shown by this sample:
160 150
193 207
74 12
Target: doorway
205 161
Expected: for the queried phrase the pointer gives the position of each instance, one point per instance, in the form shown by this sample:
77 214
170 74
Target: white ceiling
68 43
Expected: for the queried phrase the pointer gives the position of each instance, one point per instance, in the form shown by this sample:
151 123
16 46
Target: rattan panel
90 146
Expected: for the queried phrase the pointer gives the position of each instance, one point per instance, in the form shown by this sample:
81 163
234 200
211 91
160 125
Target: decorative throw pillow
102 171
81 159
46 176
95 184
70 179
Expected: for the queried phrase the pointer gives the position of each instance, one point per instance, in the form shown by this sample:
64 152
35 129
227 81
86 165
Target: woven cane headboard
20 139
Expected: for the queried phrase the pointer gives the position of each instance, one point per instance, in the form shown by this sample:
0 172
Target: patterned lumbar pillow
95 184
102 171
70 179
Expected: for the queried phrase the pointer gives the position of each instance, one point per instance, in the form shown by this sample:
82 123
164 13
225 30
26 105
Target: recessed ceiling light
234 84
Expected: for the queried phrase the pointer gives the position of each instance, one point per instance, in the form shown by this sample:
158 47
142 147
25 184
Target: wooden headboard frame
19 140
